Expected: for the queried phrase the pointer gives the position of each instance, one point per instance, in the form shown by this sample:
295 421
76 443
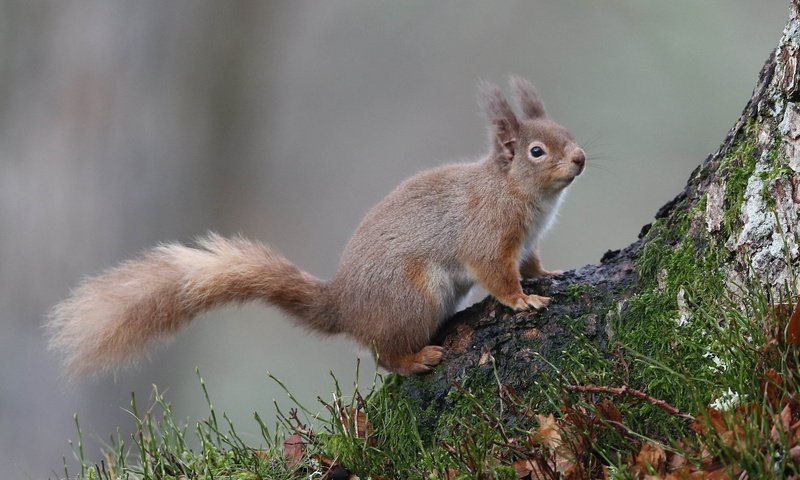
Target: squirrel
414 256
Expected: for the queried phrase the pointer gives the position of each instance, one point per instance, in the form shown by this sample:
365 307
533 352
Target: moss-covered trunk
735 222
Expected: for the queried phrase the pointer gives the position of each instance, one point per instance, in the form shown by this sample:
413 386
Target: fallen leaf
651 458
609 411
548 432
363 427
793 329
771 385
486 355
449 474
713 417
781 424
293 450
675 462
355 423
794 452
524 467
719 474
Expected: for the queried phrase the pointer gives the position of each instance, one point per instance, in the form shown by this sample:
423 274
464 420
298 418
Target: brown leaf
486 355
718 474
793 330
580 418
781 424
713 417
651 458
776 325
449 474
293 450
771 385
363 427
794 452
609 411
565 454
524 467
685 474
355 423
548 433
675 462
531 333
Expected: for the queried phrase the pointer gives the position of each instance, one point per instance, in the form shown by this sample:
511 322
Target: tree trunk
735 222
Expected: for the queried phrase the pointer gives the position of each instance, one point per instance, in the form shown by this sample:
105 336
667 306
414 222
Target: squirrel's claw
422 361
536 301
525 302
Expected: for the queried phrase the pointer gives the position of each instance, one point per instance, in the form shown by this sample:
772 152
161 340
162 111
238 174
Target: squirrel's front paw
521 301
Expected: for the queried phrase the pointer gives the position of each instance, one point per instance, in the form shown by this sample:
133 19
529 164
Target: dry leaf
548 432
363 427
675 462
609 411
449 474
712 416
718 474
355 423
793 330
651 458
293 450
524 467
486 355
771 385
780 423
794 452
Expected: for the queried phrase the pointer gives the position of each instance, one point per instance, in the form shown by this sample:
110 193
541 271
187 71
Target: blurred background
123 124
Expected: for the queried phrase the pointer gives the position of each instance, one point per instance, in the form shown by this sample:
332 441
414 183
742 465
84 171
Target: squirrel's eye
537 151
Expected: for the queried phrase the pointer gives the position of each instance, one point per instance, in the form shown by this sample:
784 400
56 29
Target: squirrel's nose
579 158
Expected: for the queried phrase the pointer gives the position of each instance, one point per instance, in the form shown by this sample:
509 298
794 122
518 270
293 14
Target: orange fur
110 319
412 259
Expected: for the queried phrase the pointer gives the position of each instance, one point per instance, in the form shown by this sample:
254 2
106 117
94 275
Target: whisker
593 157
592 142
600 168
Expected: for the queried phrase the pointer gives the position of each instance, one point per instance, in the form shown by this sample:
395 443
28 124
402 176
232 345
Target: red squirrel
414 256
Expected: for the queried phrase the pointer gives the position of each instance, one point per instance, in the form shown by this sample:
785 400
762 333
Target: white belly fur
452 285
543 216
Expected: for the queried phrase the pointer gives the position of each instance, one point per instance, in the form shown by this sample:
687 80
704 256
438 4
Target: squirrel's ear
504 128
527 99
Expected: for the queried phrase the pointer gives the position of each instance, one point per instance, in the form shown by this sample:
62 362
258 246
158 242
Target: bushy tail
108 320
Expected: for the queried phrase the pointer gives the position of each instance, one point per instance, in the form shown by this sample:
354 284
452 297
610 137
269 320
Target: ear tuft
504 127
527 98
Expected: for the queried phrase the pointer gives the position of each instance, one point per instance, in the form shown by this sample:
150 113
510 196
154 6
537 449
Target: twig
633 393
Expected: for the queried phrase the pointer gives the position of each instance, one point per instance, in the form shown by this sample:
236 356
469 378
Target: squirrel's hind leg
419 362
532 267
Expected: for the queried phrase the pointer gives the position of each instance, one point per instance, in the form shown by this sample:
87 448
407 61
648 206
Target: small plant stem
621 391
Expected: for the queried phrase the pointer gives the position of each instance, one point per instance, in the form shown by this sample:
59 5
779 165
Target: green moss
740 164
576 291
777 170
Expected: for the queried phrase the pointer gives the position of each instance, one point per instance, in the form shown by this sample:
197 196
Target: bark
736 220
